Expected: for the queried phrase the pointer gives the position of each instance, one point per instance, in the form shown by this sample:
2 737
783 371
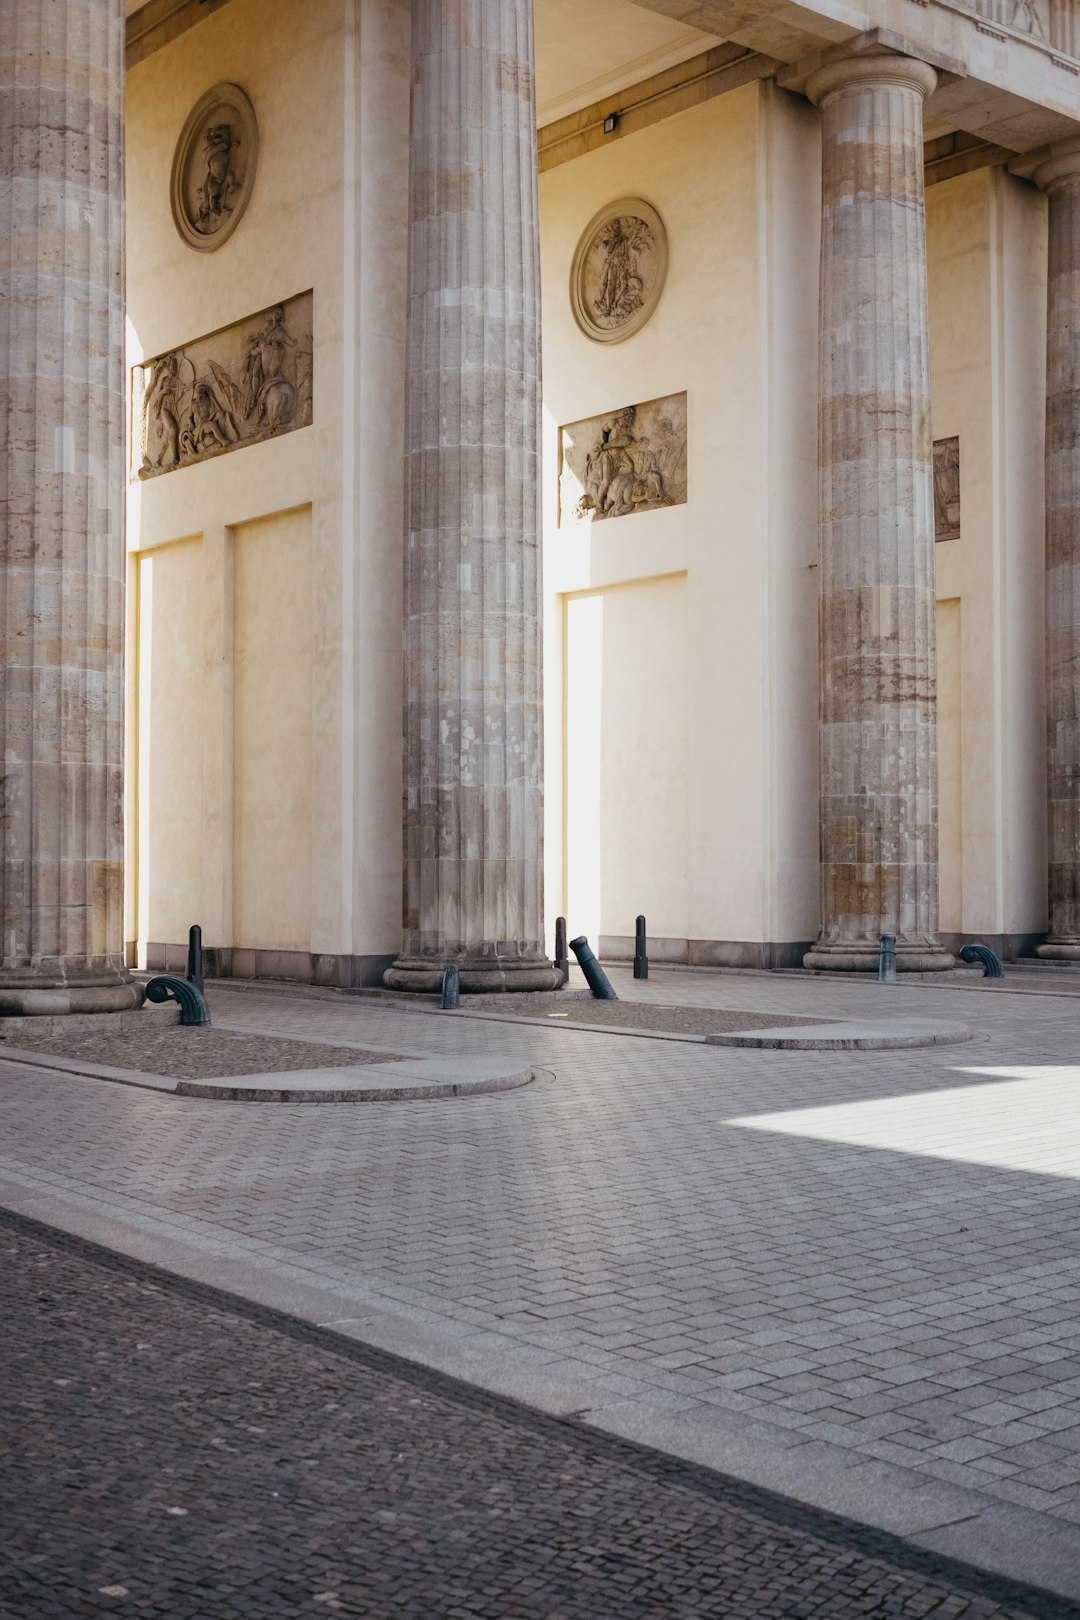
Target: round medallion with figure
618 270
214 167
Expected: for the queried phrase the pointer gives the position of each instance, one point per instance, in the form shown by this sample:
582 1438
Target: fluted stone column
61 505
878 748
1059 175
473 722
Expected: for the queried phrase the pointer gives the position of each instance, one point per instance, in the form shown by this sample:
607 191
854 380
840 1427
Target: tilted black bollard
595 977
887 960
451 988
641 953
194 958
992 968
192 1003
562 959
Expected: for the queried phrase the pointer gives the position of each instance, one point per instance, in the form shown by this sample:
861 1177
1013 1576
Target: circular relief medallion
618 271
214 167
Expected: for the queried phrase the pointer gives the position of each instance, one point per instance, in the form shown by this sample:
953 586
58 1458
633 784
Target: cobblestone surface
197 1053
871 1260
172 1453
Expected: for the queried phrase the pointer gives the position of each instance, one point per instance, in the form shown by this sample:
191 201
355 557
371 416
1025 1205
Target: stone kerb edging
898 1034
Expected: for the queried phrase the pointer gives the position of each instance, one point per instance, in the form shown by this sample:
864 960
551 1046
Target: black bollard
595 977
451 988
641 956
887 960
562 959
194 958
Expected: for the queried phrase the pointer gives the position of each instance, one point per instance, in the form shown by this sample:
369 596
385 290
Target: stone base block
24 1002
853 956
1059 950
477 974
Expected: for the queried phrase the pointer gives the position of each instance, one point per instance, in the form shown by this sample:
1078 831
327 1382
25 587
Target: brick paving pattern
171 1453
872 1260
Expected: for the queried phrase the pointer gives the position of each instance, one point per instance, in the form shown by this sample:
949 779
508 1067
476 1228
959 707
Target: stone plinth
62 482
878 749
473 723
1059 175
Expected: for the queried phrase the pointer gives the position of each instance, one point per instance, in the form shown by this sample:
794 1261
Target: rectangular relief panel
627 758
950 768
630 460
947 489
247 382
274 809
172 610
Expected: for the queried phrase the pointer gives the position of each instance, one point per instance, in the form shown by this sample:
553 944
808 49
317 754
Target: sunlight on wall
585 680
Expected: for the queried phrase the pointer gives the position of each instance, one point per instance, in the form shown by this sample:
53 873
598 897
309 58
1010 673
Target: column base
1064 948
27 1001
477 973
920 955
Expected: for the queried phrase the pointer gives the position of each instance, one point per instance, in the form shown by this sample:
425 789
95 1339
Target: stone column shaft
473 718
61 505
1060 177
877 605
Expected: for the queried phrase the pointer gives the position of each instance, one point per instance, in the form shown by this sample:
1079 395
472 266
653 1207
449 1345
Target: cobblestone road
861 1269
172 1453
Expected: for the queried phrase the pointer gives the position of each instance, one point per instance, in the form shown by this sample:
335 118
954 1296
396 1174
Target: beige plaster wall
329 83
987 268
273 798
735 182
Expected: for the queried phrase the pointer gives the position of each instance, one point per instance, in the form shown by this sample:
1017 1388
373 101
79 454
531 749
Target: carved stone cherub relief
214 167
242 384
618 270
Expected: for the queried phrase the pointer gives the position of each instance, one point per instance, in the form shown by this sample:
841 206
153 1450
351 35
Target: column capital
1058 165
878 69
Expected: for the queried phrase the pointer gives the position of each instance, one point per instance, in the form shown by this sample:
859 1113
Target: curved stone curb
407 1081
848 1037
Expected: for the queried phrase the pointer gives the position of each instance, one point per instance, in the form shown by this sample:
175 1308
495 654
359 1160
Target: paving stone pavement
171 1452
852 1276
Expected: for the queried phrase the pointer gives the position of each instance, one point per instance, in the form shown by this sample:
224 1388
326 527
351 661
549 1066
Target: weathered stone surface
878 752
61 495
473 716
1060 177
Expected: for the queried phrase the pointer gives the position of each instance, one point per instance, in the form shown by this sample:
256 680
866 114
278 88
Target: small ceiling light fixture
611 123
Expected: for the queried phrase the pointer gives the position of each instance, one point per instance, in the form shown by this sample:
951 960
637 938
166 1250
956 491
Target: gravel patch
192 1053
647 1015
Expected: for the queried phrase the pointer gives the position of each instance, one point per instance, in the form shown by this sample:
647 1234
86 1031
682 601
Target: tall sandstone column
1059 175
61 505
473 721
878 680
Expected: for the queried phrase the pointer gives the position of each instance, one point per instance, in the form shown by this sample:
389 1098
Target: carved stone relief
618 271
214 167
1022 16
242 384
946 489
632 460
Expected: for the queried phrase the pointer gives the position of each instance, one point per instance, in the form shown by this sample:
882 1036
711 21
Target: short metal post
451 987
641 953
887 959
194 957
595 977
562 959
